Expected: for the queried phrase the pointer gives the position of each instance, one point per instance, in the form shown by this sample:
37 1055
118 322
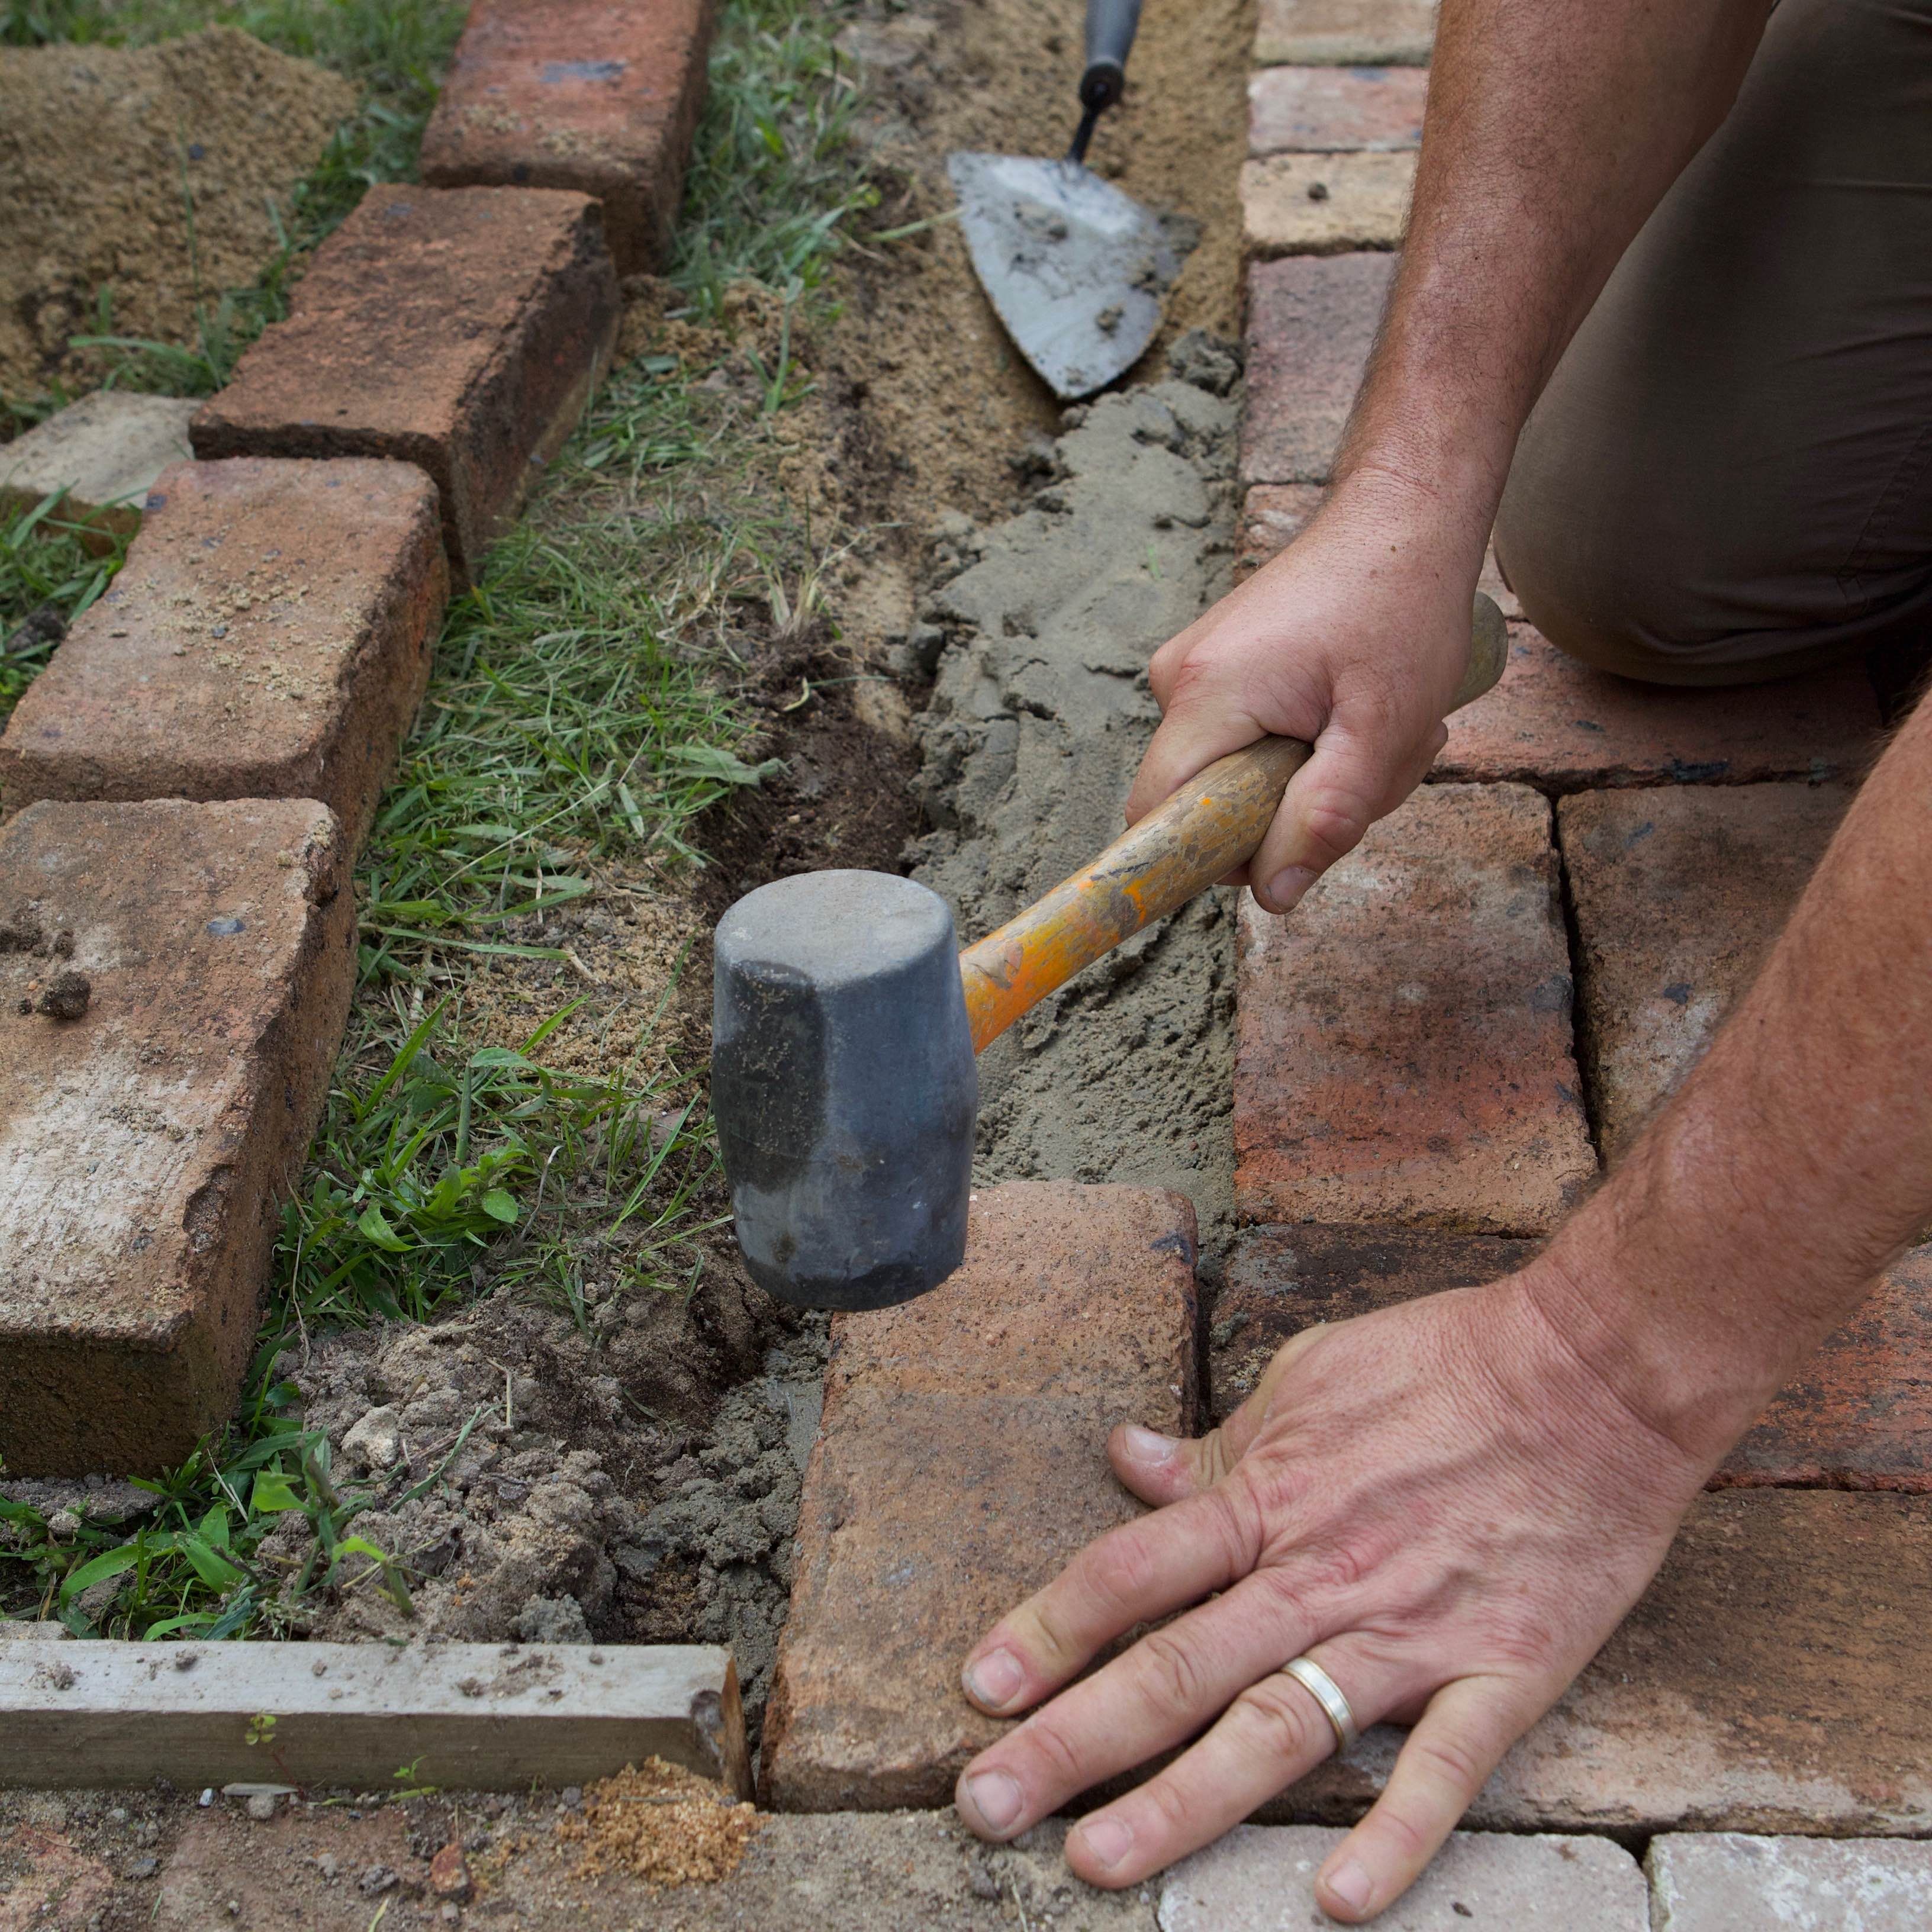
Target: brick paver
1344 33
1402 1039
269 637
143 1145
1325 204
1261 1879
1565 728
1859 1416
960 1463
1776 1677
1272 514
1279 1280
1312 321
461 329
577 93
1679 892
1335 110
1727 1882
103 451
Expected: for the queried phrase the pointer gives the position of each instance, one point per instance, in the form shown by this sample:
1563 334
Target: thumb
1354 777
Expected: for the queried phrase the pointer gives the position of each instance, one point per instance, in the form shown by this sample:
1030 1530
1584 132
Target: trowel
1075 269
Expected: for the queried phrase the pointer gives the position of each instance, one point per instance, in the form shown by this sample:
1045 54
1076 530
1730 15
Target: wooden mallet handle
1212 824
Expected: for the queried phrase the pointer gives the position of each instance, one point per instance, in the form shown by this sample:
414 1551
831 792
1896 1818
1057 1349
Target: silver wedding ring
1328 1693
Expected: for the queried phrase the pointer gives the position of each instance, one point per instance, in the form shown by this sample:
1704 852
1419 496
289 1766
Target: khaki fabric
1729 476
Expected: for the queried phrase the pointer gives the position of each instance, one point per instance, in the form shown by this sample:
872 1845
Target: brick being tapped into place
462 330
268 637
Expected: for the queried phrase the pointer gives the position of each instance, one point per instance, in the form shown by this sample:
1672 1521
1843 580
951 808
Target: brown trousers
1729 476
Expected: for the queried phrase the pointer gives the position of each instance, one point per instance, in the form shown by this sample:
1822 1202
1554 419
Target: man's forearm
1554 127
1752 1216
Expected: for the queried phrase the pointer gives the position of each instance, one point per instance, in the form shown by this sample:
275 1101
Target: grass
580 724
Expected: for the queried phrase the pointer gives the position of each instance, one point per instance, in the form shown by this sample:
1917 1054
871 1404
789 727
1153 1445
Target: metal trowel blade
1075 269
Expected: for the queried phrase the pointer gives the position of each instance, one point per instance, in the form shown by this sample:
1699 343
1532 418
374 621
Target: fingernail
996 1797
1147 1445
1350 1884
1108 1839
1289 884
994 1679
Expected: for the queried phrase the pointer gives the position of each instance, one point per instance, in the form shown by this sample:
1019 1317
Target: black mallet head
843 1080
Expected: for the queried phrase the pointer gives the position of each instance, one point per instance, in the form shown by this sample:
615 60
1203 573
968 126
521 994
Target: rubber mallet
845 1026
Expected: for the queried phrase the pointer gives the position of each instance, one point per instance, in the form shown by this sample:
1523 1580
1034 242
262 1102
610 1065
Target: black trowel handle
1110 26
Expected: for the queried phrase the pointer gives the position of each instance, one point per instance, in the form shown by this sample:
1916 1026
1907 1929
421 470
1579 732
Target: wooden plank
466 1716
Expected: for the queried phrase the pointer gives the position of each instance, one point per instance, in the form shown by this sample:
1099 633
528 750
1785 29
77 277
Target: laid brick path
960 1464
1723 1882
1335 110
1261 1878
143 1142
581 94
1344 33
268 637
461 329
1402 1045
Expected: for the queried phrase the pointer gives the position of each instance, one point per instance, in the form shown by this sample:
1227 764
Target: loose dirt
140 181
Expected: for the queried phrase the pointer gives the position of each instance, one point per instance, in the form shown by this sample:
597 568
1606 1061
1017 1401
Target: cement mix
1039 715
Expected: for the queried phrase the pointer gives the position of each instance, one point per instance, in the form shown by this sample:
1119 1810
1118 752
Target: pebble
261 1807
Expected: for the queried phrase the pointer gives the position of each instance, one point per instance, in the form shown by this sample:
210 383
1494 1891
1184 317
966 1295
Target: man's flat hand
1438 1502
1354 639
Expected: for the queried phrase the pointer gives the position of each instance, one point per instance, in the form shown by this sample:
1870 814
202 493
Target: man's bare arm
1554 127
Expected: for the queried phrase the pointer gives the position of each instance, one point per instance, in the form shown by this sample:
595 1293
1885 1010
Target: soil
138 181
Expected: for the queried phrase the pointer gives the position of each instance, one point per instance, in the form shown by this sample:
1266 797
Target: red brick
461 329
1344 33
269 637
577 93
143 1148
1272 515
1679 893
1776 1677
960 1464
1312 321
1565 728
1403 1048
1281 1280
1858 1417
1335 110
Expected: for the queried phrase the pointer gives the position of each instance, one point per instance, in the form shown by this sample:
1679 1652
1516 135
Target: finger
1132 1575
1192 735
1348 783
1150 1698
1272 1734
1162 1469
1449 1754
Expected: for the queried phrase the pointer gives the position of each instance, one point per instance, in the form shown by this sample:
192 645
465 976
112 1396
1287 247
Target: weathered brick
1325 204
1726 1881
104 451
1402 1039
1312 321
577 93
1272 514
1261 1878
461 329
1344 33
268 637
1859 1416
960 1464
1565 728
1281 1280
1335 110
143 1145
1776 1677
1680 892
